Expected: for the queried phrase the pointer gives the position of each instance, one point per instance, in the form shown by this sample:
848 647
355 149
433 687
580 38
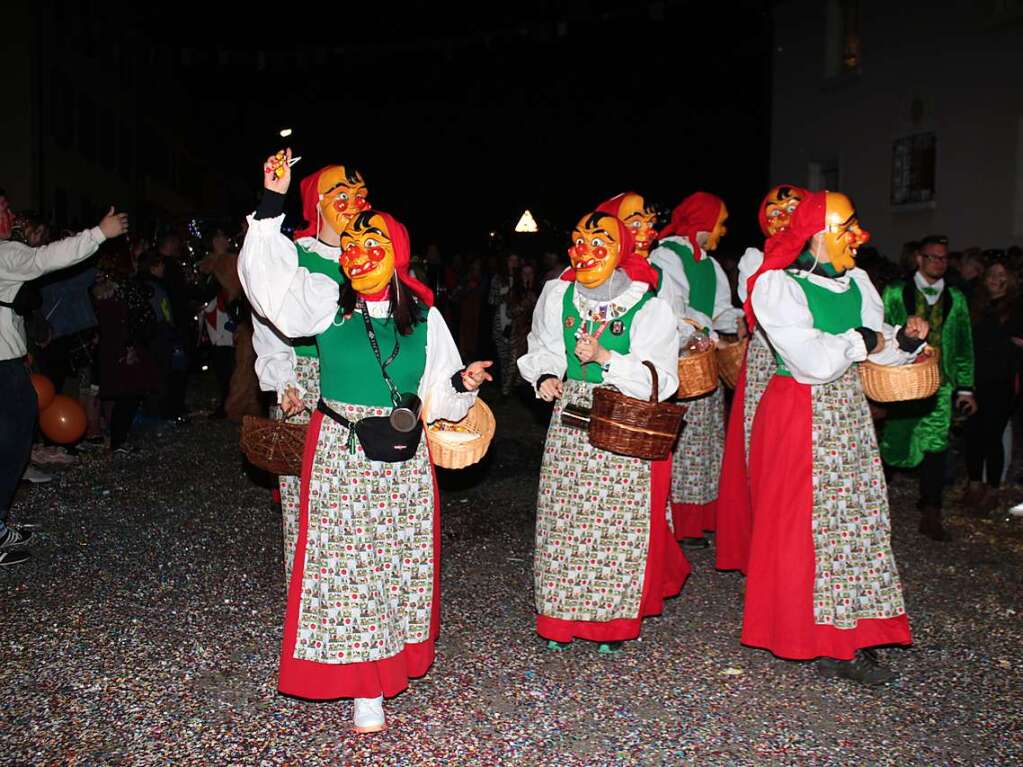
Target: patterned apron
307 373
696 468
368 574
592 524
855 576
760 366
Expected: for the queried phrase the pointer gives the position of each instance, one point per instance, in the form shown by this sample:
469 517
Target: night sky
459 120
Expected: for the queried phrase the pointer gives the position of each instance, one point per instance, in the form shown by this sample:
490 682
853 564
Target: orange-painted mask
640 218
343 195
596 248
777 208
367 254
842 233
719 231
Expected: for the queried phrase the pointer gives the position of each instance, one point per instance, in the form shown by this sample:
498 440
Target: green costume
921 426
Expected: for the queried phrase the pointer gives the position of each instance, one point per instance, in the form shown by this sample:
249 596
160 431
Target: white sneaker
369 715
35 476
1017 510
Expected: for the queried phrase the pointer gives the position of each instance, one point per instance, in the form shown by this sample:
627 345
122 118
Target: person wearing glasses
916 433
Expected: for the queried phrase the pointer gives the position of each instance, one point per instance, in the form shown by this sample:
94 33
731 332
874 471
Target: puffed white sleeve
443 362
299 304
653 337
872 311
749 262
545 345
811 355
726 316
275 359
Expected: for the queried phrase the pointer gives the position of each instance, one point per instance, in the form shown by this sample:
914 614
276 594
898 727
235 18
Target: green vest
349 371
700 275
316 264
833 313
615 337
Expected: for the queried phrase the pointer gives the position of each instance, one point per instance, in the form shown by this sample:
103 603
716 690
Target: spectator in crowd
471 297
916 433
997 344
6 217
163 343
183 312
20 263
523 297
971 268
127 327
503 287
220 315
552 265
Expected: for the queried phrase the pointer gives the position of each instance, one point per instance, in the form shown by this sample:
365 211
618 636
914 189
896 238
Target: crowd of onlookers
126 330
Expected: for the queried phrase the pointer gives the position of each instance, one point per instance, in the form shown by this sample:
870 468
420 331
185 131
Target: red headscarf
403 256
784 248
762 211
696 213
635 266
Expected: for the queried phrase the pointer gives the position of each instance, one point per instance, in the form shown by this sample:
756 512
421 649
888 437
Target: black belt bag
379 439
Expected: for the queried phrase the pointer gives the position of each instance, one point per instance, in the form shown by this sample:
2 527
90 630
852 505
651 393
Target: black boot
930 523
863 669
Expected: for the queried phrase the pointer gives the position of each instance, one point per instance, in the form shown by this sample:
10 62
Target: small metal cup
406 413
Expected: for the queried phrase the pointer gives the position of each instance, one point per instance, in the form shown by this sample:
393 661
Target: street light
285 132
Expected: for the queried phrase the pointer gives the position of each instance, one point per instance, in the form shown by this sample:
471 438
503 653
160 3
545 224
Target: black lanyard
371 333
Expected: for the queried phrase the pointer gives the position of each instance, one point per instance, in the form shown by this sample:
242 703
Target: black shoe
15 539
695 543
863 669
930 524
11 558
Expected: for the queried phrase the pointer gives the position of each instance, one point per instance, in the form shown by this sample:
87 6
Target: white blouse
275 356
811 355
749 262
725 316
653 336
301 304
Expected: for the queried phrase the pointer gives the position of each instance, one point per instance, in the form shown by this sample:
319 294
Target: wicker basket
697 374
274 445
898 383
729 358
458 455
633 427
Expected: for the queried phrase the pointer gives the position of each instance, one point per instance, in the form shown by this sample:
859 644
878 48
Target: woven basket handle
653 388
287 417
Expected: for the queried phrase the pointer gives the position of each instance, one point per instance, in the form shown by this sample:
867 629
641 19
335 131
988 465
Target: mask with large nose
596 248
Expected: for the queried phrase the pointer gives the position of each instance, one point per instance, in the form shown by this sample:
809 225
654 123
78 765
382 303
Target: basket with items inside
697 366
899 383
729 359
457 444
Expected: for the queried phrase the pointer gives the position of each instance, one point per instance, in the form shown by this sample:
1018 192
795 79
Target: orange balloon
63 421
44 390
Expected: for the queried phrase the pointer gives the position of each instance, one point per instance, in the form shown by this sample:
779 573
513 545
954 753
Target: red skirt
779 586
666 571
735 510
368 679
691 520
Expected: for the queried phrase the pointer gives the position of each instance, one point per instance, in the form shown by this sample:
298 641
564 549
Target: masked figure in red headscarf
331 198
363 600
821 581
703 301
604 555
734 510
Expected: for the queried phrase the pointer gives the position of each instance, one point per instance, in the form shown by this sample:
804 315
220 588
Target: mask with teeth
596 248
640 218
343 195
367 255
